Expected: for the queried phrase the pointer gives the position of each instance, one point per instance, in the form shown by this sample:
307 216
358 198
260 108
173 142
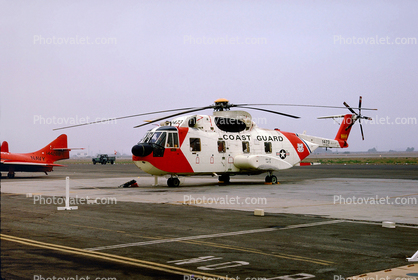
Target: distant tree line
373 150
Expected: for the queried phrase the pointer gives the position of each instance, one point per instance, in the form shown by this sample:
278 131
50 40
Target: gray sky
65 61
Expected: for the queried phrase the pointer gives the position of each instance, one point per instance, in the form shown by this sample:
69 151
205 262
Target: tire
176 182
173 182
224 178
268 179
273 179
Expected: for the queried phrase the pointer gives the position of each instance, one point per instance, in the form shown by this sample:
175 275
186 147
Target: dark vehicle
103 159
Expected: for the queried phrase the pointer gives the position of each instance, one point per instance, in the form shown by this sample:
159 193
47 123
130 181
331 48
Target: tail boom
340 140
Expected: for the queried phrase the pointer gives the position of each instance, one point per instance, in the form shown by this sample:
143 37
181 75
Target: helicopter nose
141 150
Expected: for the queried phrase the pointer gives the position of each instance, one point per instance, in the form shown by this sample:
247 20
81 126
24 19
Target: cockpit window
147 137
158 138
155 138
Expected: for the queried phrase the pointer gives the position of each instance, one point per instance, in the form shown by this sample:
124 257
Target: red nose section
173 161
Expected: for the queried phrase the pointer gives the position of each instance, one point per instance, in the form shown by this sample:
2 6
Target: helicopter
228 143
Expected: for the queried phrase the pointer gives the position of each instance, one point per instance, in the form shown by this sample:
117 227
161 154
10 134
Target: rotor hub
221 104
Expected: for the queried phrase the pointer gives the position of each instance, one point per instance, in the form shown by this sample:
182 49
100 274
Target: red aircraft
40 161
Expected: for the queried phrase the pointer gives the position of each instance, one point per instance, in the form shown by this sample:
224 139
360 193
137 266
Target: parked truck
103 159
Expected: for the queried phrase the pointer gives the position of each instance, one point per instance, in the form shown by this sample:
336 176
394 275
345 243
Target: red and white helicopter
228 143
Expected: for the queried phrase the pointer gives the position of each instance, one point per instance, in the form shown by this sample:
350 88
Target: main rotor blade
269 111
331 117
300 105
349 108
175 115
120 118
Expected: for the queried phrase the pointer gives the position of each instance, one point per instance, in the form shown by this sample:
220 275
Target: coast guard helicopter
228 143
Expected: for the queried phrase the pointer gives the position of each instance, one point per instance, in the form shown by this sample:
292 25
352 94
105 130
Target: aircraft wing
21 166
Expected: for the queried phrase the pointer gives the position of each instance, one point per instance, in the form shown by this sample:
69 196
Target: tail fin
56 150
344 131
4 147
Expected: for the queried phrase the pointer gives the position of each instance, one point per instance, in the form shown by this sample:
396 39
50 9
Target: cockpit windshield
147 137
157 138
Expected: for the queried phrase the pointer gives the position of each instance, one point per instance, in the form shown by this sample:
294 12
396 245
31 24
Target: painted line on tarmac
113 258
235 248
235 233
255 251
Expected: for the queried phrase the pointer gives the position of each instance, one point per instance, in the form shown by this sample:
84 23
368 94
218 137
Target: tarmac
320 222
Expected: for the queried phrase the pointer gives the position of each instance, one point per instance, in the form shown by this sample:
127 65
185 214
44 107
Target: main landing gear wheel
271 179
224 179
173 182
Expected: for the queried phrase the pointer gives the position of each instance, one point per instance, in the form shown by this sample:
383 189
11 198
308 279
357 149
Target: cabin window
172 140
221 146
195 144
267 147
245 146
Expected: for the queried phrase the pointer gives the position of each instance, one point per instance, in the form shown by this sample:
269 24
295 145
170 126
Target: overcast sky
66 61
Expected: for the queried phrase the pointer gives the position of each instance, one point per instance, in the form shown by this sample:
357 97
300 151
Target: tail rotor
357 116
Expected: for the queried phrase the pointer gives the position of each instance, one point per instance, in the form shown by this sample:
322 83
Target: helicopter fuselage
227 143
